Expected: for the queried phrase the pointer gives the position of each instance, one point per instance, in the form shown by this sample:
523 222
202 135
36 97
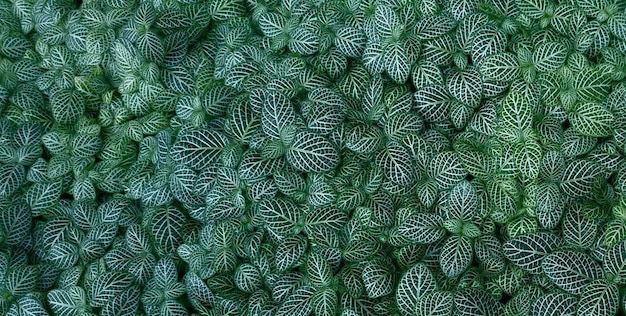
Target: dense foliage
324 157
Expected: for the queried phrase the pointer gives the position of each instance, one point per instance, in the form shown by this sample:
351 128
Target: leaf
106 286
433 102
15 222
578 230
396 164
277 114
599 298
325 302
592 119
167 225
280 216
500 67
578 178
63 254
125 303
516 111
198 149
436 304
474 301
534 9
527 155
549 56
555 304
30 306
312 153
397 63
318 270
11 178
272 24
289 251
456 255
424 228
67 302
21 280
463 201
591 84
386 20
350 41
67 106
446 170
298 303
528 251
415 284
615 263
571 270
247 278
326 217
466 86
378 278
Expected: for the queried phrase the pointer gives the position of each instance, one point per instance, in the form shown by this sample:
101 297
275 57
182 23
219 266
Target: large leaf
592 119
599 298
198 149
571 270
312 153
527 251
555 304
456 255
423 228
106 286
416 283
167 225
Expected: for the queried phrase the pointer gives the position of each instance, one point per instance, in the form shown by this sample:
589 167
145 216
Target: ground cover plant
312 157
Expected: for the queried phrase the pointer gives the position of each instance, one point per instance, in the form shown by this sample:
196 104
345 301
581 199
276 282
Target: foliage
312 157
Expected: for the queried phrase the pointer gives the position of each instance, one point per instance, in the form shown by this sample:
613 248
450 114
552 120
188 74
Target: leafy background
325 157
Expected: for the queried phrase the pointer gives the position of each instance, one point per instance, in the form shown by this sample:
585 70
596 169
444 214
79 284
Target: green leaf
21 280
466 86
298 303
43 195
446 170
534 9
571 270
397 63
592 119
277 114
281 216
15 222
11 178
198 149
599 298
456 255
528 251
289 251
378 278
312 153
436 304
549 56
424 228
167 225
516 111
350 41
433 103
395 162
500 67
474 301
415 284
106 286
555 304
67 302
591 84
578 177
